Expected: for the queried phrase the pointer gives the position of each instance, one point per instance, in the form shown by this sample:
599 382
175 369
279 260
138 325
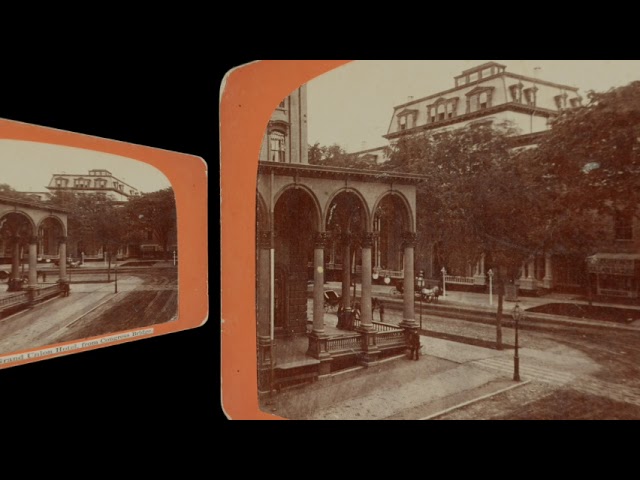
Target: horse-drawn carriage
331 301
428 294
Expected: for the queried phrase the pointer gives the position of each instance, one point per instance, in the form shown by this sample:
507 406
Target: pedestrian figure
65 289
414 345
341 317
381 310
44 277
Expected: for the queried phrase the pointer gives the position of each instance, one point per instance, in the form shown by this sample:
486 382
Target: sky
28 166
352 105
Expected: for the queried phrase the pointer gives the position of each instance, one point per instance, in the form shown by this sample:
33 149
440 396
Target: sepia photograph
88 248
434 240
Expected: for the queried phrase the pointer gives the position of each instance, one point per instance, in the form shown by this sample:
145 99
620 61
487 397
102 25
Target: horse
431 294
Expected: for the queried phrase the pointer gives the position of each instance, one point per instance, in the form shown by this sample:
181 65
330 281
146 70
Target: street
147 297
569 374
611 358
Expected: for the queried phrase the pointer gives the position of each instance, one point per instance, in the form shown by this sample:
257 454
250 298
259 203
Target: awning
614 263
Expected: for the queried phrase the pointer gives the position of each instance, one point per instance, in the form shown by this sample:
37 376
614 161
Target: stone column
318 338
33 262
33 269
531 274
480 278
527 280
366 317
409 242
63 259
265 347
15 283
345 240
547 281
15 261
370 351
320 242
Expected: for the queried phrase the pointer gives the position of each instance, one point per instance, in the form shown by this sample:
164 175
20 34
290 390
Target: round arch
368 220
408 214
57 219
314 200
22 214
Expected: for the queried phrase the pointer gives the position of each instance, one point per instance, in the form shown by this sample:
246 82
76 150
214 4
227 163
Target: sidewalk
449 375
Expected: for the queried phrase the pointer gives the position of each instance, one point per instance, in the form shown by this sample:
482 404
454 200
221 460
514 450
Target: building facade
615 270
487 95
96 181
286 139
484 95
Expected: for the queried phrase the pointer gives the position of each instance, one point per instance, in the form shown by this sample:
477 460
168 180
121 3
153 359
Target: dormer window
516 92
479 98
561 101
407 119
442 109
530 96
483 101
450 110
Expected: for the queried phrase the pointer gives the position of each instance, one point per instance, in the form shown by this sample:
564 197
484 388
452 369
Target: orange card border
188 177
250 94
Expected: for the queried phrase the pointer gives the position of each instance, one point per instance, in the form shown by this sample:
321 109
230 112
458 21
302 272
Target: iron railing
460 280
345 342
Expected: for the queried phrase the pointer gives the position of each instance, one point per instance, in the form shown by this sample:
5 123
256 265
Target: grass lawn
611 314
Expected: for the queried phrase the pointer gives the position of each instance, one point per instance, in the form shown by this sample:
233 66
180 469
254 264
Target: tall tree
473 199
7 190
336 156
590 160
154 212
93 219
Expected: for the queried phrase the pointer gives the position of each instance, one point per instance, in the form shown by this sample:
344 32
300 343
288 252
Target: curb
469 402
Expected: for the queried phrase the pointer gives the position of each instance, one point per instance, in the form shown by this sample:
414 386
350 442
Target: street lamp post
174 258
420 282
591 266
517 315
444 282
490 273
115 270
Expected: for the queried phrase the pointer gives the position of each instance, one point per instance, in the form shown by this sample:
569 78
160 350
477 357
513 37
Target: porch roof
614 263
315 171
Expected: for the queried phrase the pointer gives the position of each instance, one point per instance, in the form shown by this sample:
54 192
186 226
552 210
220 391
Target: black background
147 98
